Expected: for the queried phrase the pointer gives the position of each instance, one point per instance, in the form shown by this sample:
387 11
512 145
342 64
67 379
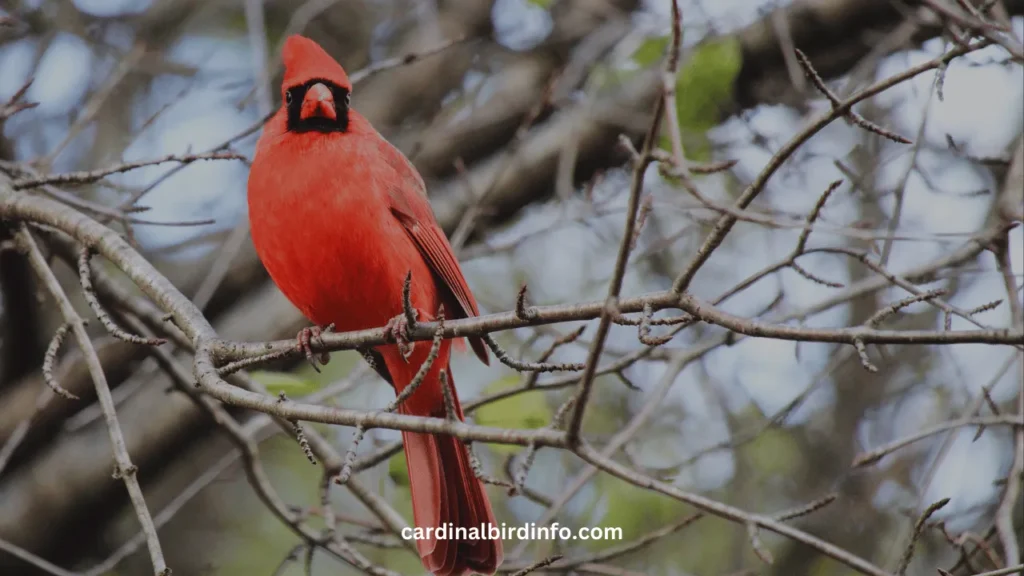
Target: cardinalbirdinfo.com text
530 531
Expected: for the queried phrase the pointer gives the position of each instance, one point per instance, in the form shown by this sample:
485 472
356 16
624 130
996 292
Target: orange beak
318 103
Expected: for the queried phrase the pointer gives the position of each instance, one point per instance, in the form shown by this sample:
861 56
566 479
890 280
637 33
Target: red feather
339 217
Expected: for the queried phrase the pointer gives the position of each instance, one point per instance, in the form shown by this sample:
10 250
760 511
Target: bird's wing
408 202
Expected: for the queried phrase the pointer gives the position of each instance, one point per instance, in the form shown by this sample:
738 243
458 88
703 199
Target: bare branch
40 563
611 307
868 458
95 175
726 222
85 277
918 529
124 469
50 359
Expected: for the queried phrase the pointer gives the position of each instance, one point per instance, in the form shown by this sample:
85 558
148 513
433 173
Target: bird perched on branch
339 218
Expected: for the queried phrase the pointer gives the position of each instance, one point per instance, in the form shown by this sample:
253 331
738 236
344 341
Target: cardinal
340 218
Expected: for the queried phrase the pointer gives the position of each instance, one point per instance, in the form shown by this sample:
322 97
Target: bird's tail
450 500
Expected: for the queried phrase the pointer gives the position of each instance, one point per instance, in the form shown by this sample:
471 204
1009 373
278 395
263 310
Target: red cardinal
339 218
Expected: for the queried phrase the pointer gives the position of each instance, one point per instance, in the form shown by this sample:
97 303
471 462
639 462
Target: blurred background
513 123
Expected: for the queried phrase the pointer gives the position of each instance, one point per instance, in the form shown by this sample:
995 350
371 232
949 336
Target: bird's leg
313 334
398 329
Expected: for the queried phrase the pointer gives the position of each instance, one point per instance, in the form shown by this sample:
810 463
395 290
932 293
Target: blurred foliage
398 470
704 90
635 510
704 87
287 382
705 83
262 540
340 365
773 452
304 379
650 51
527 410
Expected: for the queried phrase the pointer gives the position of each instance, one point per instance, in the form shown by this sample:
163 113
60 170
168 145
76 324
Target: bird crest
305 60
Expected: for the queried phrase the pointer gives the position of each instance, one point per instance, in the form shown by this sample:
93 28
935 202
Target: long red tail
445 491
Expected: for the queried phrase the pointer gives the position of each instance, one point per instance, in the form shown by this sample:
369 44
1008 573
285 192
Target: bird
340 219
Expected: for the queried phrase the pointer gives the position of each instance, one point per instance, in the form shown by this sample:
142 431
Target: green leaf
635 510
340 366
704 90
524 410
650 51
398 469
773 453
545 4
286 382
705 83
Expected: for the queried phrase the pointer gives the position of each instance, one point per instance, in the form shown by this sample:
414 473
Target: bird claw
398 329
309 335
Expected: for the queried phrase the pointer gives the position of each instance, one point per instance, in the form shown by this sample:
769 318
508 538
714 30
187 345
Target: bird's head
316 91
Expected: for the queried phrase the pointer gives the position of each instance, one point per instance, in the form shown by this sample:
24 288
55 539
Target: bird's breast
332 246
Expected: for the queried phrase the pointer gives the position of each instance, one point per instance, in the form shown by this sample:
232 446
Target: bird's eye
288 97
348 99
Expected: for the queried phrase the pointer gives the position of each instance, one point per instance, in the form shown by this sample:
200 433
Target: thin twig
30 558
726 222
92 108
610 309
757 545
868 458
531 377
857 119
421 375
895 307
622 472
538 565
50 360
1018 569
165 515
86 177
85 278
901 569
1015 476
557 421
807 509
413 57
124 469
523 311
523 366
12 106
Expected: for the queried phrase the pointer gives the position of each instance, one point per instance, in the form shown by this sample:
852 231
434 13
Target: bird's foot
398 329
309 335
